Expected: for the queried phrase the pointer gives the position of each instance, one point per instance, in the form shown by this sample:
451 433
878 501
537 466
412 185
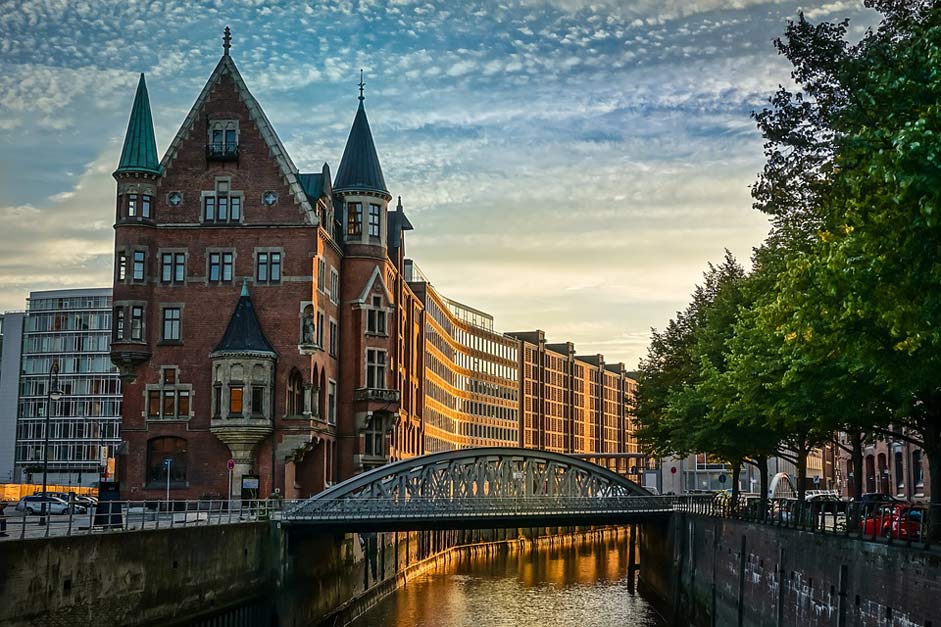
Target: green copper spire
140 147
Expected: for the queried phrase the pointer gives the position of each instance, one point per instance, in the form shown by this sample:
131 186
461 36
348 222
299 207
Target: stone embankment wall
239 575
141 578
723 572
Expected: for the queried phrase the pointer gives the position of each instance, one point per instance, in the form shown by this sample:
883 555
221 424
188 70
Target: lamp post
52 394
168 462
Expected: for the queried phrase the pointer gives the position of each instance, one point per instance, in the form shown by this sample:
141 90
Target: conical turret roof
140 147
359 168
244 334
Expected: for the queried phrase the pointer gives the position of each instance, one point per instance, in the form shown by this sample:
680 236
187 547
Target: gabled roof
140 147
359 168
244 334
227 66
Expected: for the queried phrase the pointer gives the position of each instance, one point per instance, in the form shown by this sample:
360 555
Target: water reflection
583 585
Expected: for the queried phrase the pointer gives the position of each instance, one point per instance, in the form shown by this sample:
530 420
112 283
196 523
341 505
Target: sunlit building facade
471 375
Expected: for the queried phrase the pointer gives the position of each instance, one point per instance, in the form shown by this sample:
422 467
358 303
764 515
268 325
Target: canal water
582 585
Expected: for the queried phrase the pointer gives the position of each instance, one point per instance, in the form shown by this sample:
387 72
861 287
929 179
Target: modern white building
11 344
70 329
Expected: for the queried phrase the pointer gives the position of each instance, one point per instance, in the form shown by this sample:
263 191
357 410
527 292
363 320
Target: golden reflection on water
578 585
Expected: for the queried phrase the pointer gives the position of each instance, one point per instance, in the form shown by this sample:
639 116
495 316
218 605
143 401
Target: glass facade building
70 328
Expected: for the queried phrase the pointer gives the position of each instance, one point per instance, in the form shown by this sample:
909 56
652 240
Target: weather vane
362 84
227 40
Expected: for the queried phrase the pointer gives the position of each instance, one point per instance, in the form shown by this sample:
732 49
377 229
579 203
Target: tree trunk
801 474
857 457
736 472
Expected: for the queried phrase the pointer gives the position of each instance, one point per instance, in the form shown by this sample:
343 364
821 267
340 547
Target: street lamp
168 462
52 394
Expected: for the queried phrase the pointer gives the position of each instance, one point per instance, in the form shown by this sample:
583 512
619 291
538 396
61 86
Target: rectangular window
275 267
121 265
258 400
374 213
334 286
332 403
226 266
209 208
171 324
215 266
320 329
230 137
235 208
166 267
183 403
153 403
375 368
235 400
131 205
139 258
145 203
119 331
217 401
333 338
169 403
179 267
137 322
261 274
222 208
354 219
321 274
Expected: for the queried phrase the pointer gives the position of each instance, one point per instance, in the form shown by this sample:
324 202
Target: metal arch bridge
479 488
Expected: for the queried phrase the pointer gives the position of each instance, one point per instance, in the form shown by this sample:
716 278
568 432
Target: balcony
377 394
222 152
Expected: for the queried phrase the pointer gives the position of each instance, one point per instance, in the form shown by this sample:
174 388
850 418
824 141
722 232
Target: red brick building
266 318
235 335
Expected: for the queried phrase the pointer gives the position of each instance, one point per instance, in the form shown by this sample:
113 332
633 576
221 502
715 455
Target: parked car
53 505
895 520
83 499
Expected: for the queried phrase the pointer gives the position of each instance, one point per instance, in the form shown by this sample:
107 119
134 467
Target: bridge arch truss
477 487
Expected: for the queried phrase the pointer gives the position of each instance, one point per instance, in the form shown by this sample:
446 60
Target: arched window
295 400
159 451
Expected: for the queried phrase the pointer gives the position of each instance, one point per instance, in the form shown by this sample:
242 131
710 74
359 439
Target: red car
896 520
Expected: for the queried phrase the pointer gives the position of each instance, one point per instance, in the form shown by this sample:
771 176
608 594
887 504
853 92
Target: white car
54 505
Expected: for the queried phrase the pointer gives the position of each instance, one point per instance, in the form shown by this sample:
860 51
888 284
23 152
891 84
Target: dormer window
223 140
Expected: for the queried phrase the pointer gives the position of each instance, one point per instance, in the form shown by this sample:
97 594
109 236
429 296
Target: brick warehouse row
269 317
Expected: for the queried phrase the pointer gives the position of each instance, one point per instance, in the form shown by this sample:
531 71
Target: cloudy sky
570 165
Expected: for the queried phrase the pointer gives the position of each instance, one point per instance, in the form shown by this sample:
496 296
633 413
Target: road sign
722 478
672 470
230 464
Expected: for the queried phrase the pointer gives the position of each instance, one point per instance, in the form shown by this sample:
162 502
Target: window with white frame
222 204
376 317
332 402
334 285
172 324
375 368
333 337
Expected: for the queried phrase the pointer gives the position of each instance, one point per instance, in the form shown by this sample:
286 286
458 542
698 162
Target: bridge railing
128 516
889 521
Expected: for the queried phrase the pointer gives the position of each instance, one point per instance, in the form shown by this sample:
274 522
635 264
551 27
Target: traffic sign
230 464
673 470
722 478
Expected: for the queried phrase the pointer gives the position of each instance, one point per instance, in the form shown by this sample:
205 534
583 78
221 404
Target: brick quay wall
708 571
